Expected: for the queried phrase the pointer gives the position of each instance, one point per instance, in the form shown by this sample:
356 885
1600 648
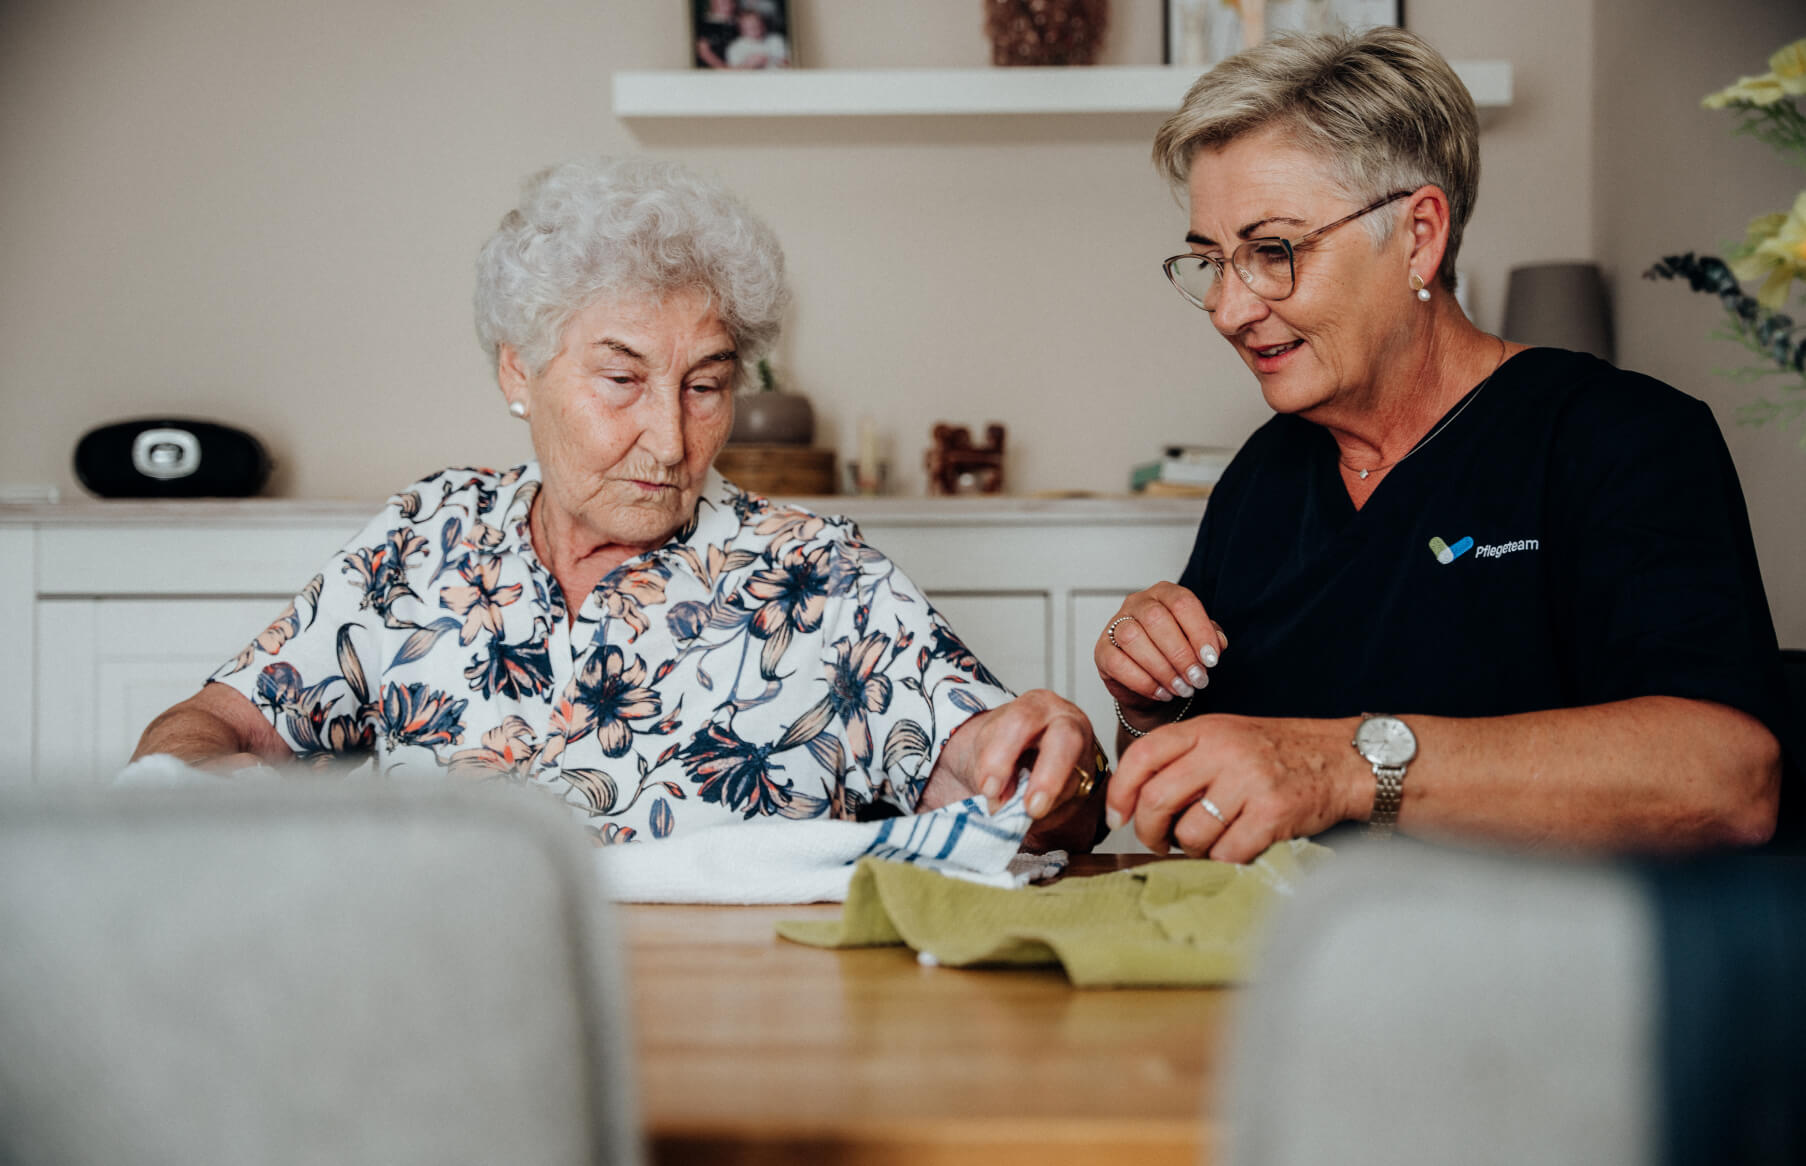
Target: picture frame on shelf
1199 33
741 34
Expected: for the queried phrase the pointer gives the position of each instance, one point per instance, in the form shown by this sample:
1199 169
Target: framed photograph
1200 33
740 34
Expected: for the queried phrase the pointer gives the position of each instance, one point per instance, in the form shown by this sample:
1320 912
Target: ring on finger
1111 630
1210 808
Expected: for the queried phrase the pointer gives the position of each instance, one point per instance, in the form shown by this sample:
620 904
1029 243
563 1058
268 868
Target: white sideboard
111 612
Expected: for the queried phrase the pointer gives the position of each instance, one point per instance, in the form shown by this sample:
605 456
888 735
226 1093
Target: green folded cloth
1180 923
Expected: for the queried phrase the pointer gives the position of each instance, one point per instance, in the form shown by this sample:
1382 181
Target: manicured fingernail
1180 687
1112 819
1037 803
1208 654
1163 694
1197 676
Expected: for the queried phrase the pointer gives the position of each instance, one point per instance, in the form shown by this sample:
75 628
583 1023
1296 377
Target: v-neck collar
1333 497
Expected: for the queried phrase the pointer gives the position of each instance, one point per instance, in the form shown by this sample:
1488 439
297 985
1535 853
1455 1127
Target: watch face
1386 741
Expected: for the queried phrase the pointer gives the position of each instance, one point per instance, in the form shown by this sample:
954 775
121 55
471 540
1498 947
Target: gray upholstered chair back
306 974
1416 1008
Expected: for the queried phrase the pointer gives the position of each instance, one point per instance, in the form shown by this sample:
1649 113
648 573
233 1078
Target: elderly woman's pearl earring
1423 293
519 408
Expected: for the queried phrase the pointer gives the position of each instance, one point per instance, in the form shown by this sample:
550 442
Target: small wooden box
778 470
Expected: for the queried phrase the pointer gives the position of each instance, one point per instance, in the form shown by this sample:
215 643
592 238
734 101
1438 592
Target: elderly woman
1519 581
613 621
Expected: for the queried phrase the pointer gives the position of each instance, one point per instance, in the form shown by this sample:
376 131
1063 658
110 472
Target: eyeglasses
1268 266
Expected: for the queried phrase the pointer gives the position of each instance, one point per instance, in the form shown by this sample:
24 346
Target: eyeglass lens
1265 265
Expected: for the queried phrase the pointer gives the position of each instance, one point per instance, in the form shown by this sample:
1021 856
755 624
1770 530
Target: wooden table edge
943 1142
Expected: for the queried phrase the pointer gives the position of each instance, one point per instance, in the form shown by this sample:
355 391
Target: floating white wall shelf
699 93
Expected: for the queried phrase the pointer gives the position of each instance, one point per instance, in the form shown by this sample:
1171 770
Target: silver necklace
1446 422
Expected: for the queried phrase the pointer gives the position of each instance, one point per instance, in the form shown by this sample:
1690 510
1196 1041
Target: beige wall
267 212
1670 177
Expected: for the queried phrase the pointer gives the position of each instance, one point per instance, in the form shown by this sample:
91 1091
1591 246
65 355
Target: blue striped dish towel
812 861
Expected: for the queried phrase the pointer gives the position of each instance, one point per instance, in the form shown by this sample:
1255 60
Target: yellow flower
1762 228
1764 90
1774 249
1789 65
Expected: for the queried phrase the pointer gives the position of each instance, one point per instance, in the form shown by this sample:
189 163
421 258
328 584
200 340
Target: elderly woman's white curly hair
625 226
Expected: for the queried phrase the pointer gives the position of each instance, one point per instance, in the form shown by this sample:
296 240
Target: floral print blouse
765 661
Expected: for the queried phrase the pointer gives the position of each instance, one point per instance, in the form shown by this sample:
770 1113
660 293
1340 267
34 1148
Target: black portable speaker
168 457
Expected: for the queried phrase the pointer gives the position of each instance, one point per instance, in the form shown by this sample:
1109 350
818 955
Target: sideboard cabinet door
1006 630
108 666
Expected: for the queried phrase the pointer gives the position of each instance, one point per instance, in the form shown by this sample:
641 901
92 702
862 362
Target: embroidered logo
1500 550
1446 554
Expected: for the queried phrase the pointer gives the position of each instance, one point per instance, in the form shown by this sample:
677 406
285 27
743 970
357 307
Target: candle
868 455
1254 22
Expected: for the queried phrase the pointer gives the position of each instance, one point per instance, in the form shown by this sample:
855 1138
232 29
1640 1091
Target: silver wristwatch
1389 745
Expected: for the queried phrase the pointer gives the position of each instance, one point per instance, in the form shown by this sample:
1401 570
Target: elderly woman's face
1326 342
630 414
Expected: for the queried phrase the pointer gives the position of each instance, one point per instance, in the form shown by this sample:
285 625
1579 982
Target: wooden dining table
752 1049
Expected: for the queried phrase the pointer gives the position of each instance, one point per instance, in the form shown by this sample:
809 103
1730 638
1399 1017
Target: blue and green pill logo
1446 554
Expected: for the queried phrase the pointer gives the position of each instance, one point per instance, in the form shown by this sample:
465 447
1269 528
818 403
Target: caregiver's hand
1157 646
1047 734
1227 787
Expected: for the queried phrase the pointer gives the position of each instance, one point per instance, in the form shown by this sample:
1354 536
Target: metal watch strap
1388 795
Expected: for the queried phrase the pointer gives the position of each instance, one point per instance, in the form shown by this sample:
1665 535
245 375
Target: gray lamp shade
1560 305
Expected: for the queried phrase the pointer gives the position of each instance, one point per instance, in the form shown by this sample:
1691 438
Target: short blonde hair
1382 109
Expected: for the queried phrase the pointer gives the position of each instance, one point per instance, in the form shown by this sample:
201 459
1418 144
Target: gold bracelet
1133 731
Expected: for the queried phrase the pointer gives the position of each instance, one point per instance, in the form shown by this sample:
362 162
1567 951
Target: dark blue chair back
1790 828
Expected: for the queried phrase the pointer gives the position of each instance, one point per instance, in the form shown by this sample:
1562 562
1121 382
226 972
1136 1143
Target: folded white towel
812 861
767 861
161 771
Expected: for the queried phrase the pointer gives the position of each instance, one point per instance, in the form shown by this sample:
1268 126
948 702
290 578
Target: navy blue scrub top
1575 535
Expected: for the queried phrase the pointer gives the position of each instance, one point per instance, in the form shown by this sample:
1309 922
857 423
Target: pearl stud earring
518 409
1417 285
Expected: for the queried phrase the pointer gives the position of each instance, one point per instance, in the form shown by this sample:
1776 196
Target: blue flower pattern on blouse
764 662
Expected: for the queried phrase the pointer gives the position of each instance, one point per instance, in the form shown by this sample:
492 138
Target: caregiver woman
613 621
1456 585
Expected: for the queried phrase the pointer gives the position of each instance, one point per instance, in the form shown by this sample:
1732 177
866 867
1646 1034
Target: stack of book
1183 471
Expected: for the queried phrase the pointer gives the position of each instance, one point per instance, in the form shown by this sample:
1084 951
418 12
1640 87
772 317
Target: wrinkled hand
1270 778
1163 643
1044 732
